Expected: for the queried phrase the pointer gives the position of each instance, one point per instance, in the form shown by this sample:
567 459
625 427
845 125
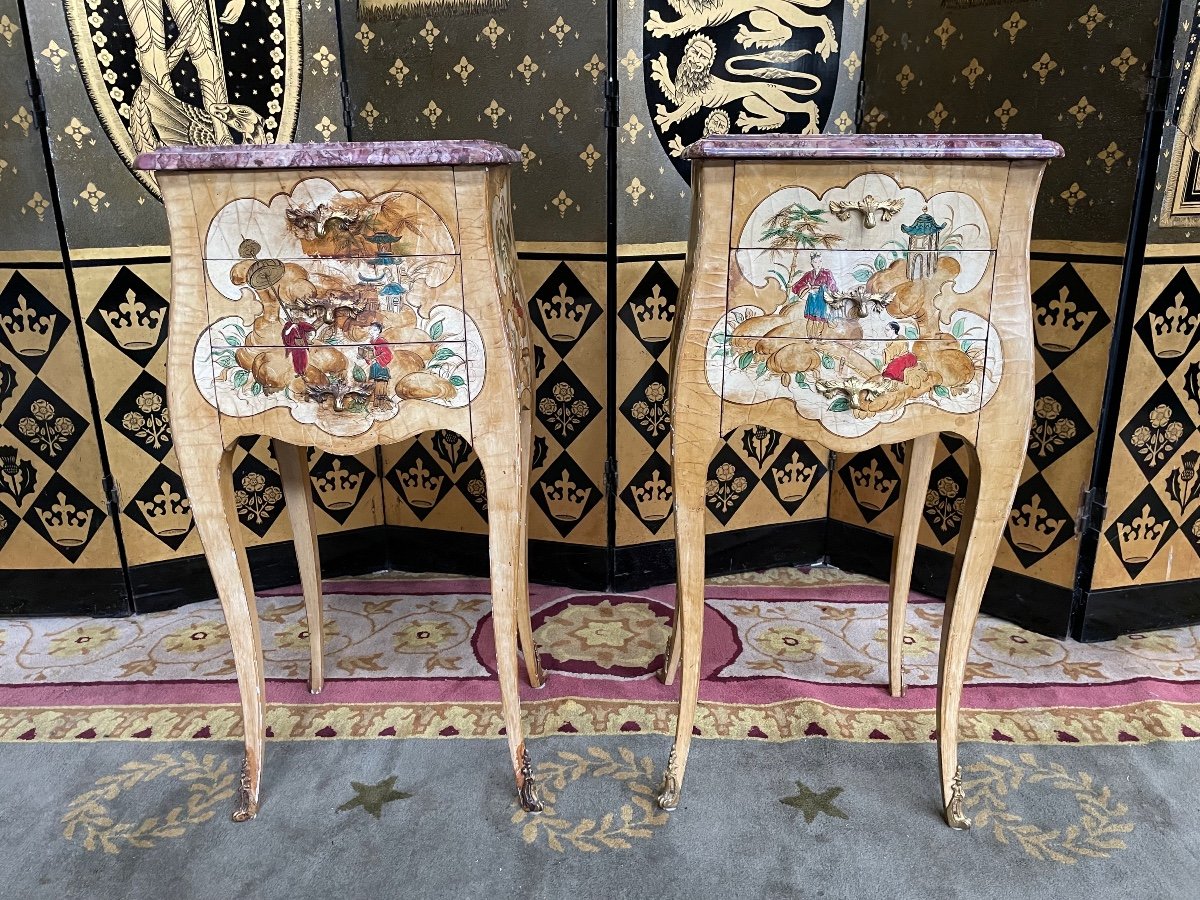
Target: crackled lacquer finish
345 307
854 337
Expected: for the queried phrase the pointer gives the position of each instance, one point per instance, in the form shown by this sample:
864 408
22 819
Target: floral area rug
788 655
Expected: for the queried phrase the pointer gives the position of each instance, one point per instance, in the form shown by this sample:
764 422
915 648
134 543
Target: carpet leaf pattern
615 830
1097 834
89 818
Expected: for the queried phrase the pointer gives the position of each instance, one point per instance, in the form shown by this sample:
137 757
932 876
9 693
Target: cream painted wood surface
857 303
345 309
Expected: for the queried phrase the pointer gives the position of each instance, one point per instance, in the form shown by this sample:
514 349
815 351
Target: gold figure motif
765 104
154 107
955 817
772 21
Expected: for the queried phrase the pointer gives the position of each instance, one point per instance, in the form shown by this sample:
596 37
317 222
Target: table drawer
881 207
859 294
340 390
340 298
338 213
851 387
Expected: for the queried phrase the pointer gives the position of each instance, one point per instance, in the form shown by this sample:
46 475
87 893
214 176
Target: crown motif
168 513
565 500
133 324
1060 326
653 498
794 480
653 316
421 487
1138 540
872 488
563 316
1172 333
67 525
338 488
1031 527
28 332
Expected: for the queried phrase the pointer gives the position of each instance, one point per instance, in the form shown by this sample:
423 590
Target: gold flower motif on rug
1096 833
918 644
789 643
199 637
627 635
295 636
1008 643
613 829
82 640
433 634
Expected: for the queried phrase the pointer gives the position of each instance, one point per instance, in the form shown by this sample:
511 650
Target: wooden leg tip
247 794
665 675
959 822
537 675
245 813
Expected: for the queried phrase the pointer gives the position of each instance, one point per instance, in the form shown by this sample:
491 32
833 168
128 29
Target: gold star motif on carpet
372 797
813 804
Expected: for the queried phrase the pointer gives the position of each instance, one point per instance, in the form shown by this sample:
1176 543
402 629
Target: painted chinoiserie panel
336 304
860 302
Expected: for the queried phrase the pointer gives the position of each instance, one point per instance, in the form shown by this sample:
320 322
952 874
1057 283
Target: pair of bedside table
848 291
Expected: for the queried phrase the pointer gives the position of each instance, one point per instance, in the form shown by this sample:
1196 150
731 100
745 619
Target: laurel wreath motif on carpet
635 820
1096 834
90 818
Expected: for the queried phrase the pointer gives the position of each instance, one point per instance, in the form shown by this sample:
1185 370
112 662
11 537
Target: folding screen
1079 74
601 218
113 78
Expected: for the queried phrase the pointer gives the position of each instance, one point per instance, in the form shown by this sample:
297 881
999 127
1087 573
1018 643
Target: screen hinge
610 476
38 101
112 495
612 102
1093 507
347 108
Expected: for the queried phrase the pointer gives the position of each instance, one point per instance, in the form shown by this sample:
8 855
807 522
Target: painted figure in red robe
295 338
379 354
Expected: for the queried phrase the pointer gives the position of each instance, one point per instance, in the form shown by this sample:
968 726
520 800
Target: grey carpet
1112 822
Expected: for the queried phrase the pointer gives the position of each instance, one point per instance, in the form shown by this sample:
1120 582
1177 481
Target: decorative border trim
1144 721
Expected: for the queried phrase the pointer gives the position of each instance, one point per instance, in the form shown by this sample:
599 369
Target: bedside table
346 296
856 291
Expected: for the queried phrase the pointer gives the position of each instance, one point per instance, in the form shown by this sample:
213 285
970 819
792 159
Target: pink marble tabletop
332 156
874 146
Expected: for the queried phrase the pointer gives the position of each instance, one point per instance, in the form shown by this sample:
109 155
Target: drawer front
346 213
852 386
856 206
858 294
342 389
340 298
